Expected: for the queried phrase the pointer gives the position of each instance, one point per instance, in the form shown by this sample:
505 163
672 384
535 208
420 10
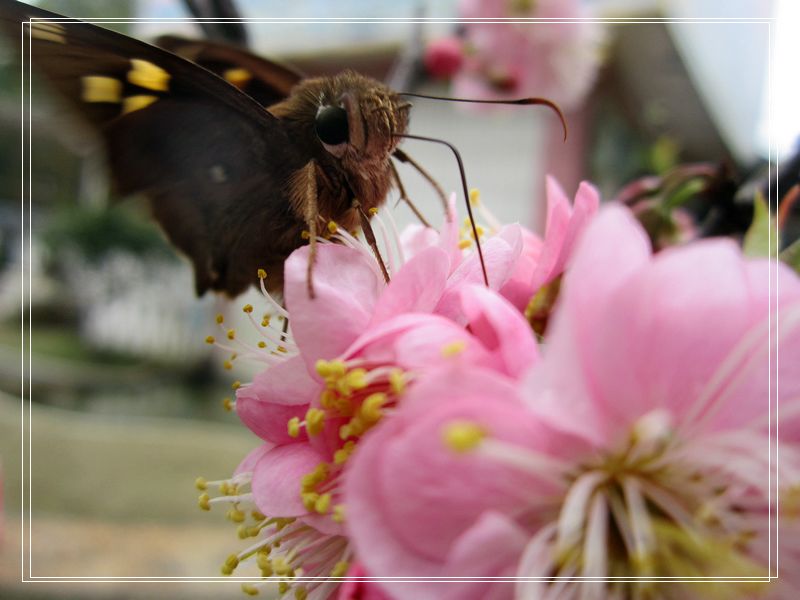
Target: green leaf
757 239
791 256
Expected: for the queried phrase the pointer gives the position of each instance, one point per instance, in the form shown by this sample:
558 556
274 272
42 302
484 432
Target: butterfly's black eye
331 125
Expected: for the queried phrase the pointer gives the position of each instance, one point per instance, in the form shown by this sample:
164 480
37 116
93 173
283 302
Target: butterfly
243 160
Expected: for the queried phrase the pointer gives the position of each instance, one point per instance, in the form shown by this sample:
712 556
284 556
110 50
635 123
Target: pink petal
665 334
248 463
415 238
518 289
490 548
277 479
500 254
417 342
612 249
564 225
276 395
412 495
347 286
416 287
501 328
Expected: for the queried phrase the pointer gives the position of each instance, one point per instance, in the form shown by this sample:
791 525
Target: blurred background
126 398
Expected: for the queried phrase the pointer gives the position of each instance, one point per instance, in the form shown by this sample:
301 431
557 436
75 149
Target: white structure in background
142 307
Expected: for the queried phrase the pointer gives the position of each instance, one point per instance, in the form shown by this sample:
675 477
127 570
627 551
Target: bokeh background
124 407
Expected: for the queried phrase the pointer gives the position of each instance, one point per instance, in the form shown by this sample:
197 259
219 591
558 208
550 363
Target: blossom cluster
598 422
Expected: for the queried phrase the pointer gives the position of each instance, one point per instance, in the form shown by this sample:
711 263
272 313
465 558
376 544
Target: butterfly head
354 117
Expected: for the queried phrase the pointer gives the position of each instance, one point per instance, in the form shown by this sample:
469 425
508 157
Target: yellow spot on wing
48 32
238 77
147 75
97 88
132 103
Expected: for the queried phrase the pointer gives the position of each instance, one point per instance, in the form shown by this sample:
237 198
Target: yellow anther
201 484
323 504
344 432
283 587
300 593
236 385
373 211
231 334
357 379
219 318
203 502
101 89
340 569
238 77
247 308
327 398
338 513
474 197
357 426
226 364
134 103
282 349
228 404
342 454
232 561
236 515
397 381
309 499
262 559
280 566
293 427
370 410
210 339
463 436
332 227
315 421
224 488
330 368
257 515
463 244
305 234
262 344
453 348
250 589
147 75
242 532
262 274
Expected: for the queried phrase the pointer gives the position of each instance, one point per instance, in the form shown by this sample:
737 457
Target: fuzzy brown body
228 179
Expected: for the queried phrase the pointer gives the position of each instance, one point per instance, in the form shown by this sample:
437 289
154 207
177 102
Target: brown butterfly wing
265 81
210 158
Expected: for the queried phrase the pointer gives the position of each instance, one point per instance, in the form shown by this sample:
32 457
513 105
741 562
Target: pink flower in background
645 423
444 57
556 60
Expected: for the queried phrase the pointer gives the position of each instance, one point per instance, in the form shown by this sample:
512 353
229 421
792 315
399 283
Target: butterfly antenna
454 150
517 102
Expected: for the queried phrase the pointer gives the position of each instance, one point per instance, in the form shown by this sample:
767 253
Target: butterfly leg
404 196
405 158
311 215
369 234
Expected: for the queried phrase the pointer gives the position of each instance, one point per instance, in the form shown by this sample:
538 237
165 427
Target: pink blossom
556 60
541 262
646 420
355 349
